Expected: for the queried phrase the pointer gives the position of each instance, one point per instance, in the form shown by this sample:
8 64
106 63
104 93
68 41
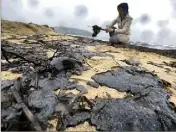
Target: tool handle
103 29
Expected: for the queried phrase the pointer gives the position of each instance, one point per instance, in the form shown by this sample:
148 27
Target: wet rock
70 115
93 84
148 109
131 79
82 89
53 84
80 49
6 83
62 107
155 99
10 119
66 98
72 86
76 119
10 113
127 115
167 120
68 74
43 100
64 63
6 99
79 67
123 115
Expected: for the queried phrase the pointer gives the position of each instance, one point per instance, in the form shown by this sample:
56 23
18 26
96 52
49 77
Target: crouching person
122 33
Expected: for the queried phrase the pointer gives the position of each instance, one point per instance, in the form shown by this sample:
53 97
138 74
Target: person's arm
112 23
126 26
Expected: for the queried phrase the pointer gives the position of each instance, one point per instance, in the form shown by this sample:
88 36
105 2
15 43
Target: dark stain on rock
132 62
93 84
131 79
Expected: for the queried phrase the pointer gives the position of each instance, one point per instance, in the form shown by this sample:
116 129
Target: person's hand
109 30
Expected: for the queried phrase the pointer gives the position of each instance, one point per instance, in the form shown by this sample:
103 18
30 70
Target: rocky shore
59 82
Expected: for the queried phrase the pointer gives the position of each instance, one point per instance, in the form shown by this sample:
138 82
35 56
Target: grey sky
149 17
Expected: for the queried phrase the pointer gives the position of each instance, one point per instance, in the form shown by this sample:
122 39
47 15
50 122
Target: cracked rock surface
129 115
130 78
148 107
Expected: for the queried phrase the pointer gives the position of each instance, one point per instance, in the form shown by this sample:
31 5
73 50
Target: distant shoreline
140 47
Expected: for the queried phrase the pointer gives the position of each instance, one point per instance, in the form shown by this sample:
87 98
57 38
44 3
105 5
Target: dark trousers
113 38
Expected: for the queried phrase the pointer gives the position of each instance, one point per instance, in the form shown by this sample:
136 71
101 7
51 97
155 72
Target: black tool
97 29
